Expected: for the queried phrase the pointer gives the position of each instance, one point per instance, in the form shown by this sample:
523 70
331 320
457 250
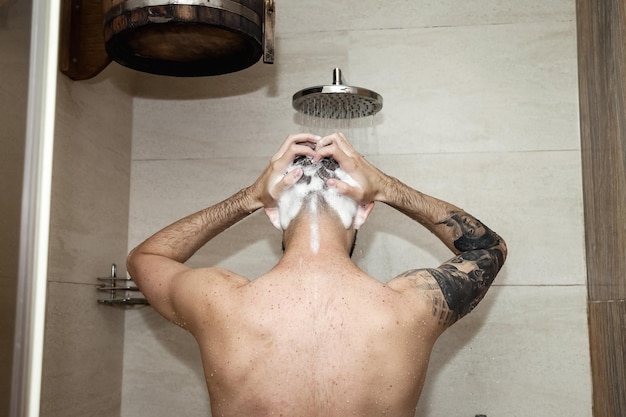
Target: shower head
337 101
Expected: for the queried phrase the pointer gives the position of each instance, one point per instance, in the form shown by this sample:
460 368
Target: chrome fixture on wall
337 101
118 289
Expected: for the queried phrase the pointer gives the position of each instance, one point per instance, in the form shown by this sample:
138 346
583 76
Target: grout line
74 283
450 26
377 154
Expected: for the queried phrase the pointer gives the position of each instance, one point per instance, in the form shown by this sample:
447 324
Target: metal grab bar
114 286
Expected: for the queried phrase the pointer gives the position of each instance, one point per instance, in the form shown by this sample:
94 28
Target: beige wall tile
523 351
294 16
83 349
472 88
163 370
164 191
91 177
83 354
534 200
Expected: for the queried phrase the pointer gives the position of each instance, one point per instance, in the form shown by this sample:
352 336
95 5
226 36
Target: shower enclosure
93 143
36 152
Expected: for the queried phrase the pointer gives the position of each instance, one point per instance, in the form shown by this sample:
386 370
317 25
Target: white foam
291 200
315 228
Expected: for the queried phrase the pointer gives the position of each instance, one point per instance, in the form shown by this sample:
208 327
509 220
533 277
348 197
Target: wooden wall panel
608 357
602 74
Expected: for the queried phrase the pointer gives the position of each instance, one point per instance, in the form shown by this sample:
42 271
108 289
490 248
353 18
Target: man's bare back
306 343
316 336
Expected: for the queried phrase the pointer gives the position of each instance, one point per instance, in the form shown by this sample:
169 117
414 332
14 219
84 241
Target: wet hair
311 193
312 184
324 169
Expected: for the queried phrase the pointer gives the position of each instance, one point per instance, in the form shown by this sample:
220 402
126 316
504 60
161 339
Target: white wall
480 109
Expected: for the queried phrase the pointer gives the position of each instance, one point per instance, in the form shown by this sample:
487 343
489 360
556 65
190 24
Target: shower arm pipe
35 221
338 77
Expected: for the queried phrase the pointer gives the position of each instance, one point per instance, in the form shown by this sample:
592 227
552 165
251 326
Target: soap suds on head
313 182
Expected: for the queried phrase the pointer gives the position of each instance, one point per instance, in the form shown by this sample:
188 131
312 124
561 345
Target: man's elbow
503 249
132 261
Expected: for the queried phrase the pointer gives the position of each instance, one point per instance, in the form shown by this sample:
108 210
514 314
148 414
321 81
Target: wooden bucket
184 38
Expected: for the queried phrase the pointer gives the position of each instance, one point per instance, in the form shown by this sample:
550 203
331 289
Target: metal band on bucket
226 5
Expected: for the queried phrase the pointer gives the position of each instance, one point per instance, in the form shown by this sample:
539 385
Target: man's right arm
158 264
480 253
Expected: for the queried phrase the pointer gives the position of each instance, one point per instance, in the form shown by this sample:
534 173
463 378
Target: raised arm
480 253
157 264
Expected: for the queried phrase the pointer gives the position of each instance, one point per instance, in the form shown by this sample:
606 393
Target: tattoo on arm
464 280
426 285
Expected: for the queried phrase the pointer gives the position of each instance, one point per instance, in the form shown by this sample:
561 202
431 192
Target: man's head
311 193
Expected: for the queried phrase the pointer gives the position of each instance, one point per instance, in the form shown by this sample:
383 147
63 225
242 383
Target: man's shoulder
423 293
215 276
413 280
201 293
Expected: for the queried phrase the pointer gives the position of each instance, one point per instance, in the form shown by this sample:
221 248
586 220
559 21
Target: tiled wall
82 372
14 48
481 109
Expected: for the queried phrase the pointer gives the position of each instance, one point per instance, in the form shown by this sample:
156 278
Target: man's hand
274 180
372 181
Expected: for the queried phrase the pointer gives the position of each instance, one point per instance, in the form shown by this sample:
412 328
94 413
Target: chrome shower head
337 101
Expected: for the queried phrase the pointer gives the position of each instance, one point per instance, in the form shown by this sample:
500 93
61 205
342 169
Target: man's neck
318 239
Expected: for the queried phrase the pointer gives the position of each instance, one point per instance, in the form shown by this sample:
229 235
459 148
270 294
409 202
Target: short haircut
312 184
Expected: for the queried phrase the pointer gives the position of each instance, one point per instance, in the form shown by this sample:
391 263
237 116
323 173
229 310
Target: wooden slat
602 72
608 358
82 54
268 31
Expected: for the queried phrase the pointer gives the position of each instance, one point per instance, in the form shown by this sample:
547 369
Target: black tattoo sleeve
465 279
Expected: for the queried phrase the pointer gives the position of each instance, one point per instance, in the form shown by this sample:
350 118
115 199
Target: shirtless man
316 336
